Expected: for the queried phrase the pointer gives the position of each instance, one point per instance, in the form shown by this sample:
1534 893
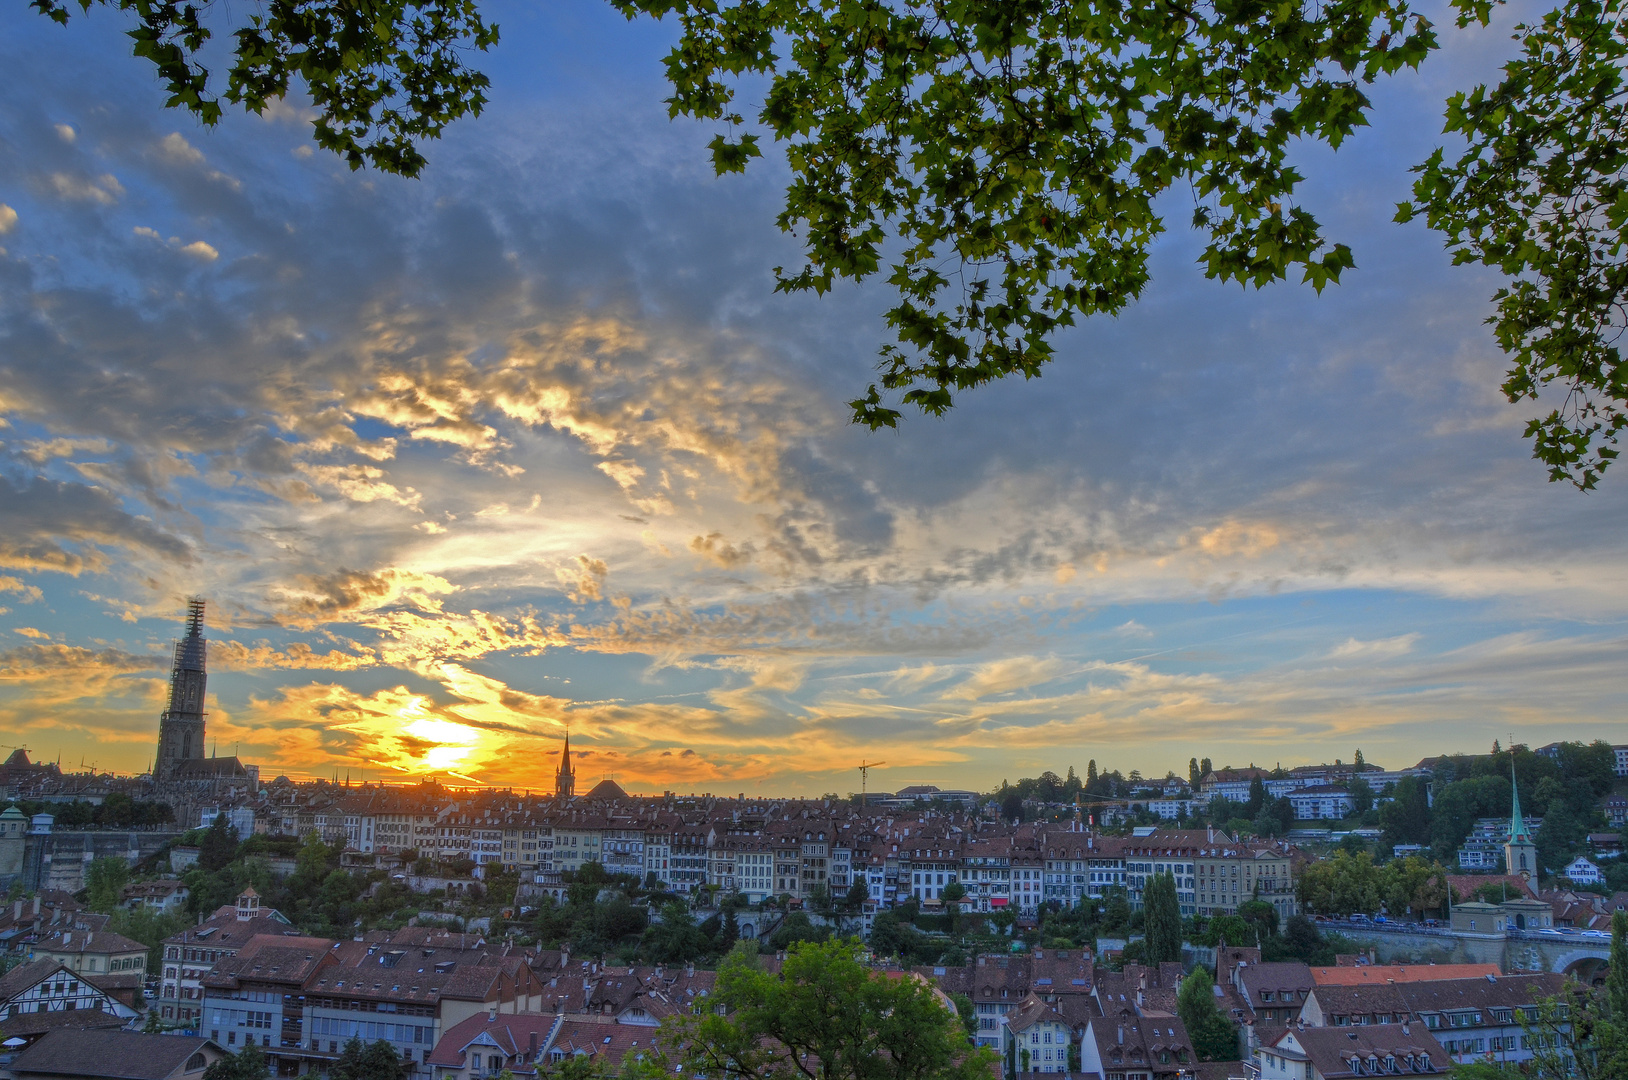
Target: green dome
13 812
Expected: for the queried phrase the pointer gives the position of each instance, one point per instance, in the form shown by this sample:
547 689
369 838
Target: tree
730 932
1001 165
1116 911
218 846
104 884
797 927
377 1060
1262 915
1406 818
1616 978
824 1005
247 1064
968 1013
1258 798
1343 884
1214 1038
1415 884
1193 775
675 939
1161 919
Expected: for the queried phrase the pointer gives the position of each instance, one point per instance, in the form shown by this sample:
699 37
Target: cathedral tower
565 781
181 728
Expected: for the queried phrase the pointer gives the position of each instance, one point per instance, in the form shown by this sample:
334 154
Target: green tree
105 880
1116 911
1214 1037
825 1005
797 927
1262 915
377 1060
218 846
968 1012
675 938
1343 884
1161 919
729 932
1003 165
1406 818
1616 979
247 1064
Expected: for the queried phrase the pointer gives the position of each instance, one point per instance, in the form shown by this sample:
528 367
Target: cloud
1382 649
1005 676
8 219
61 526
343 594
105 190
29 593
713 546
584 578
175 147
384 432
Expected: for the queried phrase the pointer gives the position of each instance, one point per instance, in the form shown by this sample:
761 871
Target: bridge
1571 952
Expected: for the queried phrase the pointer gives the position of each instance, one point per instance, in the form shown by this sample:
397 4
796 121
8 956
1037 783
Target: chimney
531 1045
491 1012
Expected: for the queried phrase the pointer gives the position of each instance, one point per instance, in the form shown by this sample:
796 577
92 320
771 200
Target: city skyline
529 444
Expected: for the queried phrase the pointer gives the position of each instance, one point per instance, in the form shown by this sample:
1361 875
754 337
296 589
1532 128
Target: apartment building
191 954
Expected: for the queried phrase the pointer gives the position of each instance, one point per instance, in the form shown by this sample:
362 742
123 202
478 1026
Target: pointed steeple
565 781
1520 853
1518 833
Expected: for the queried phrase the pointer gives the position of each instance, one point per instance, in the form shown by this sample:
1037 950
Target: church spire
1520 853
565 781
1517 824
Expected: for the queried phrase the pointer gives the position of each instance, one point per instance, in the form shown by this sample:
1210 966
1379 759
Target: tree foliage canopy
999 162
825 1015
1161 919
1214 1037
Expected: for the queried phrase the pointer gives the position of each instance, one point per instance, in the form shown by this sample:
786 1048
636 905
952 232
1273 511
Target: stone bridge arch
1585 965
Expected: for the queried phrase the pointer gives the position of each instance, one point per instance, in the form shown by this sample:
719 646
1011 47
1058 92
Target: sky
529 444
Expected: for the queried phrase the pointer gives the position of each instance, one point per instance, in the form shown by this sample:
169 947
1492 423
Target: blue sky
530 442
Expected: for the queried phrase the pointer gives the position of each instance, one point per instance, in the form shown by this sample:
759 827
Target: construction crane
865 768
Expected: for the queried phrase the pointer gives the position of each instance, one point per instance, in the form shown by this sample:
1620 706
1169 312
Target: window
196 1062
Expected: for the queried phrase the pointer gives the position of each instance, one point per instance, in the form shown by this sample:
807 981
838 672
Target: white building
1582 872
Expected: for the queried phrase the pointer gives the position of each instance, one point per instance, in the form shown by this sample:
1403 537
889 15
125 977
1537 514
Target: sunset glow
532 443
